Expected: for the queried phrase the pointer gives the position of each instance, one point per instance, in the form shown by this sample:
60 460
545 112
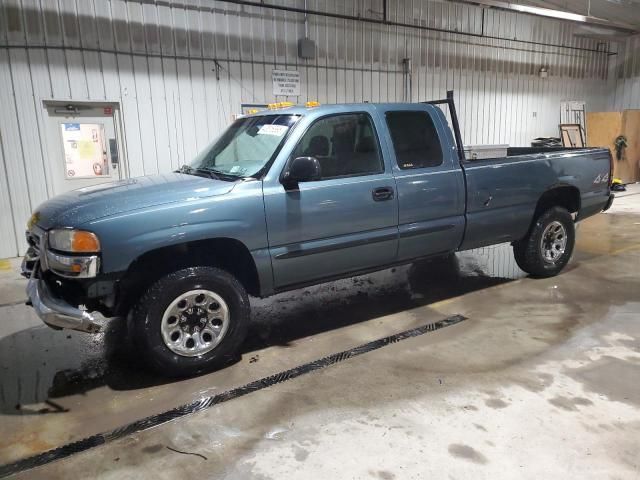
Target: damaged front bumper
52 310
57 313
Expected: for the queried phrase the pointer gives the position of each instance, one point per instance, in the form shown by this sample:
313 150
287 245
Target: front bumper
57 313
53 310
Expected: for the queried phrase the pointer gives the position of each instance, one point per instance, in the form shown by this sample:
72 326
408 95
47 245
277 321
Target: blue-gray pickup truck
293 197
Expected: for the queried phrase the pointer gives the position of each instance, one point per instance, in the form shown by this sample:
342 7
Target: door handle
382 193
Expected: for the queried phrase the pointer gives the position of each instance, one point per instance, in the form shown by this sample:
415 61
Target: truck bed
502 193
519 151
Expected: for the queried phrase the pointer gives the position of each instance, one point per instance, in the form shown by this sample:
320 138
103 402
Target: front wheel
548 246
191 321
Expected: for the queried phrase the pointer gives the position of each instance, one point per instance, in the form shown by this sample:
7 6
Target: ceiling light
549 13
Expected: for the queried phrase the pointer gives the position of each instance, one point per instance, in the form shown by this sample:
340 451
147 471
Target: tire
170 310
543 258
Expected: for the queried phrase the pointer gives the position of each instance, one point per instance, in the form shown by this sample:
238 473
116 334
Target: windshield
246 146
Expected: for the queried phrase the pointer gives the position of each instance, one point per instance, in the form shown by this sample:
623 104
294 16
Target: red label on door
108 110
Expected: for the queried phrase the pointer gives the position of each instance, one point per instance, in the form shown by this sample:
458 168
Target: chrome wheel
553 242
195 323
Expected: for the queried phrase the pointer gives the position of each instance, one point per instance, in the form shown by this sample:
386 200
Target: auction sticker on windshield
277 130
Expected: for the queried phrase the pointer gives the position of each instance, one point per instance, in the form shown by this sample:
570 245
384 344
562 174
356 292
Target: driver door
345 222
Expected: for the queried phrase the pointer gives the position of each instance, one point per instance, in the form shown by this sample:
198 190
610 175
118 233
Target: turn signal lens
85 242
74 241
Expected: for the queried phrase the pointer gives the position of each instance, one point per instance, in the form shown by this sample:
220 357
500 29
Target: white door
84 145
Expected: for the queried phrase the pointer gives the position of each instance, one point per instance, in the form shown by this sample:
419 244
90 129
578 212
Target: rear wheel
191 321
548 246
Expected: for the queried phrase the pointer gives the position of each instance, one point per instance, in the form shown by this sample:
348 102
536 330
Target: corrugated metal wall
626 94
180 69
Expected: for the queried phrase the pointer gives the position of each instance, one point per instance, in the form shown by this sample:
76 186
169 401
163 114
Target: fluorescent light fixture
549 13
622 27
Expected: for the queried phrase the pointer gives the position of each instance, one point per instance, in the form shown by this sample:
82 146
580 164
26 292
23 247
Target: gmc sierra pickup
292 197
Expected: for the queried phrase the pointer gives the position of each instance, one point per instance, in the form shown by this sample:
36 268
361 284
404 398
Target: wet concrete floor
541 365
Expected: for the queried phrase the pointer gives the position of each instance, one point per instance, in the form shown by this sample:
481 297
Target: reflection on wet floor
337 304
58 386
39 365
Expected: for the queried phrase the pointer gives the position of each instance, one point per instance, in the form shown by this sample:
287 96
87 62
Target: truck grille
33 253
34 241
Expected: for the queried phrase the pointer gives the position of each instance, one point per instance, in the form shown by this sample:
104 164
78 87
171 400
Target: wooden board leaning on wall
602 130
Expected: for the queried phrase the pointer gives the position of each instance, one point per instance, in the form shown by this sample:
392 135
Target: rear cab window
415 139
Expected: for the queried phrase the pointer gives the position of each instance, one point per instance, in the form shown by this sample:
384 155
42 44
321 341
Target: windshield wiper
219 174
189 170
208 172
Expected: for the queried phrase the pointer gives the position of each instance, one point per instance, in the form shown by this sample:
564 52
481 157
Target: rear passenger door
429 181
344 222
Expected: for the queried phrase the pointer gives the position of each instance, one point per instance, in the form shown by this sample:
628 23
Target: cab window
415 139
346 145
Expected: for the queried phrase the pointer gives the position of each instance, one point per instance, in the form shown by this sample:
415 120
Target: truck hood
90 203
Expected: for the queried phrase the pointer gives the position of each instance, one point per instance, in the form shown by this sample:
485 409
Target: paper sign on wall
286 82
85 150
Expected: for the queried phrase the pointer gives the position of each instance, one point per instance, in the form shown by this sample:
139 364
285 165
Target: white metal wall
626 93
158 59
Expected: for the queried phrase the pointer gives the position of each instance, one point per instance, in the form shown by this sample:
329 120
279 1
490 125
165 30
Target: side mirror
302 169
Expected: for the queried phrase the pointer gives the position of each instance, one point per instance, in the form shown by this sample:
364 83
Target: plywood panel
602 130
631 130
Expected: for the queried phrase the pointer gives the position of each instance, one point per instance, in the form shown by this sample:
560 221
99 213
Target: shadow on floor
38 365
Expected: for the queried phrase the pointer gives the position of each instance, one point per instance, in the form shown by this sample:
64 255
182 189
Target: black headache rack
454 121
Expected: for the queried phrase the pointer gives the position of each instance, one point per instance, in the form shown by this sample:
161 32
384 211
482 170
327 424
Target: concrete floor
540 382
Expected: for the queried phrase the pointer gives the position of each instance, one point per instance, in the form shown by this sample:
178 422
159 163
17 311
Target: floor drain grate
207 402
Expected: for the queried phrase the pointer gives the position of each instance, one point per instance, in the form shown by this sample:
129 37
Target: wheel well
226 253
566 196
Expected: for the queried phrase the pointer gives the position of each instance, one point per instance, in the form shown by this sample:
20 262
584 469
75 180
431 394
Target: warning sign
286 82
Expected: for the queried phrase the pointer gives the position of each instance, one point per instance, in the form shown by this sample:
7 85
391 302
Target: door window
415 139
345 145
85 150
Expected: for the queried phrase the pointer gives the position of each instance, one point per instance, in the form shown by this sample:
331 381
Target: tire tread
527 252
140 319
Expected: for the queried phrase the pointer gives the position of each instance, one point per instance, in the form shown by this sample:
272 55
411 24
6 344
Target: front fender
238 215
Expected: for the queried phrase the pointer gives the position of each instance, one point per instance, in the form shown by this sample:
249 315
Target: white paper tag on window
277 130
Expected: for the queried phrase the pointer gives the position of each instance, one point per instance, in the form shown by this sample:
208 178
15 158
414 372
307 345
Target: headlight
33 220
74 241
